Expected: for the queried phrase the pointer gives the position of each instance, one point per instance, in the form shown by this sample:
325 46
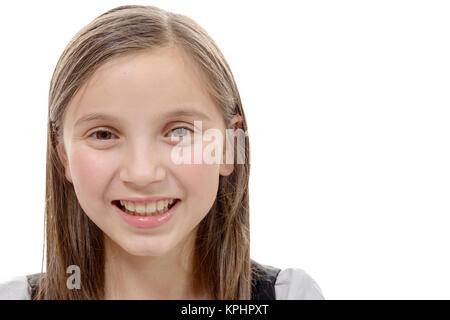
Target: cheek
200 182
90 173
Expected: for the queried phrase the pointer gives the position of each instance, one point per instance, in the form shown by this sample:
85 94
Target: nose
142 165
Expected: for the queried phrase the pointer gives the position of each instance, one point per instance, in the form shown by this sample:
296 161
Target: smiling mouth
146 209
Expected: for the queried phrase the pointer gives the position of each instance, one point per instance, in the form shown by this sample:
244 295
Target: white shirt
291 284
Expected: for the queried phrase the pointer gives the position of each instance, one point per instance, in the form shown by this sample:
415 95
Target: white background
348 107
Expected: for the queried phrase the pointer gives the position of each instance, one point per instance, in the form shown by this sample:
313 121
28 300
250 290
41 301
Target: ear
60 150
227 168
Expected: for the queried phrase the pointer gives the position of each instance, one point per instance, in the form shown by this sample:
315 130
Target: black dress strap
263 281
33 282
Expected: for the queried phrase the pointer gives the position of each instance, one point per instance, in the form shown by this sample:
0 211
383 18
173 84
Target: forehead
142 85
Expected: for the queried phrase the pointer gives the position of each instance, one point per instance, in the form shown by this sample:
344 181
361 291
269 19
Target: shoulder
15 288
283 284
296 284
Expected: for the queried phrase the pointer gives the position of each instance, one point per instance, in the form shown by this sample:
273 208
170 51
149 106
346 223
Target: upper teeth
147 208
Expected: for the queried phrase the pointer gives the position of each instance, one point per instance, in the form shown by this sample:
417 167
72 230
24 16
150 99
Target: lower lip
147 222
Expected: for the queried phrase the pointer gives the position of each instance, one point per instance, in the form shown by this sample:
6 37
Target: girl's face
144 99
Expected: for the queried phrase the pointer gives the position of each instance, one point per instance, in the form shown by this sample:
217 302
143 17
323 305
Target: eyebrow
173 113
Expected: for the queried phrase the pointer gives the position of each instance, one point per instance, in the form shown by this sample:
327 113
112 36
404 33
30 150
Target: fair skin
143 91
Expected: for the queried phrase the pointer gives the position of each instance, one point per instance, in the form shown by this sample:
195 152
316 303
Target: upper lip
146 199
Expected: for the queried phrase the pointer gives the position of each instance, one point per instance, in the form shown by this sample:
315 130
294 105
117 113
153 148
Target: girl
123 219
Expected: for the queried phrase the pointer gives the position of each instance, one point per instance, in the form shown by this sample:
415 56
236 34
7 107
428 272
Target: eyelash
105 130
182 127
101 130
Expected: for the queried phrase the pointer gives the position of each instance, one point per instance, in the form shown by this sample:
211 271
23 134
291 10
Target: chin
146 248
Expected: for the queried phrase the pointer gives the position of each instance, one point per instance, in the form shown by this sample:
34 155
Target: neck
167 277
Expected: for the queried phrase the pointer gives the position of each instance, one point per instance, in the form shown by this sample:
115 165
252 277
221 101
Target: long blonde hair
222 250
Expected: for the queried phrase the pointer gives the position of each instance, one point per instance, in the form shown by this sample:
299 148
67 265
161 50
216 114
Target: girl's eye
180 132
107 135
102 134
